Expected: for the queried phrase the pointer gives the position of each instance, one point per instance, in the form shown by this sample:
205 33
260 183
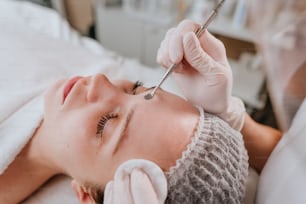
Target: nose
101 88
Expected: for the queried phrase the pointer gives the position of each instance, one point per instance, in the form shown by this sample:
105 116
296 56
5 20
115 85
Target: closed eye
136 85
102 122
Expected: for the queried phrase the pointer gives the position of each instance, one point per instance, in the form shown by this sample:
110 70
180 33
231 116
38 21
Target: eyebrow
124 129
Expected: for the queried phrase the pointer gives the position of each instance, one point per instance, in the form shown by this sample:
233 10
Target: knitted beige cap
213 168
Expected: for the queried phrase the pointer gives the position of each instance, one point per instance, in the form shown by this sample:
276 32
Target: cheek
78 134
145 133
82 134
81 148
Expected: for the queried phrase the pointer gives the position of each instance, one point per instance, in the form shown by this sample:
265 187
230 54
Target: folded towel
32 58
16 131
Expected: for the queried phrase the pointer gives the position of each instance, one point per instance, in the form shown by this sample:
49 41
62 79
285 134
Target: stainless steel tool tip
148 96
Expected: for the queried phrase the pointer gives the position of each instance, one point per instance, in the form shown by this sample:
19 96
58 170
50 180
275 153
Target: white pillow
283 179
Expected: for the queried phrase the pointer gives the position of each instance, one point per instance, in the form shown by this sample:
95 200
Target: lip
68 87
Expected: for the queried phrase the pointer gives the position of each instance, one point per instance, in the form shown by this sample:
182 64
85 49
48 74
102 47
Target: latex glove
137 181
204 74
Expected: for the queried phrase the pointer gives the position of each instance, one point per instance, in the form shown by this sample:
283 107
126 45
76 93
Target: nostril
86 80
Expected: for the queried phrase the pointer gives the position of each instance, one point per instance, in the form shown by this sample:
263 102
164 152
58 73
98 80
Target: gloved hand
137 181
204 74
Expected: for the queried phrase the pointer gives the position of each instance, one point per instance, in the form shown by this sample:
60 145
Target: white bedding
45 48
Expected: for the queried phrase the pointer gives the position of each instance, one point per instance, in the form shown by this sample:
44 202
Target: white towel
31 59
16 131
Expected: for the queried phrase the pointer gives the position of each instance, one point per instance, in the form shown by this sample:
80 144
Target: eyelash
136 85
103 120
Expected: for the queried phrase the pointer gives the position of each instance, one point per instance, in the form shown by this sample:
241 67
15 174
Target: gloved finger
213 46
196 56
143 188
162 55
122 189
108 193
163 51
176 51
180 68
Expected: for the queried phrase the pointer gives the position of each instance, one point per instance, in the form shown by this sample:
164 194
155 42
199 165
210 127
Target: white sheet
36 44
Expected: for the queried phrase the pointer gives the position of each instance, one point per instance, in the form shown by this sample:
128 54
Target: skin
67 141
259 141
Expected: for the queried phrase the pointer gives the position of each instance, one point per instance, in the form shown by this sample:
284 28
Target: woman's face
94 125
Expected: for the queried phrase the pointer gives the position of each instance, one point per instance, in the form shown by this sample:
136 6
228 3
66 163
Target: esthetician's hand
137 181
203 72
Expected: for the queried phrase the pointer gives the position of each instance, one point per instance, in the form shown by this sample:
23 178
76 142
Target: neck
30 169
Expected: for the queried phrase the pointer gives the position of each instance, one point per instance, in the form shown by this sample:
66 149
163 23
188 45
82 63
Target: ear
81 193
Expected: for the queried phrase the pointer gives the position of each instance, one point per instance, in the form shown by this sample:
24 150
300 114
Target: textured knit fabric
213 168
